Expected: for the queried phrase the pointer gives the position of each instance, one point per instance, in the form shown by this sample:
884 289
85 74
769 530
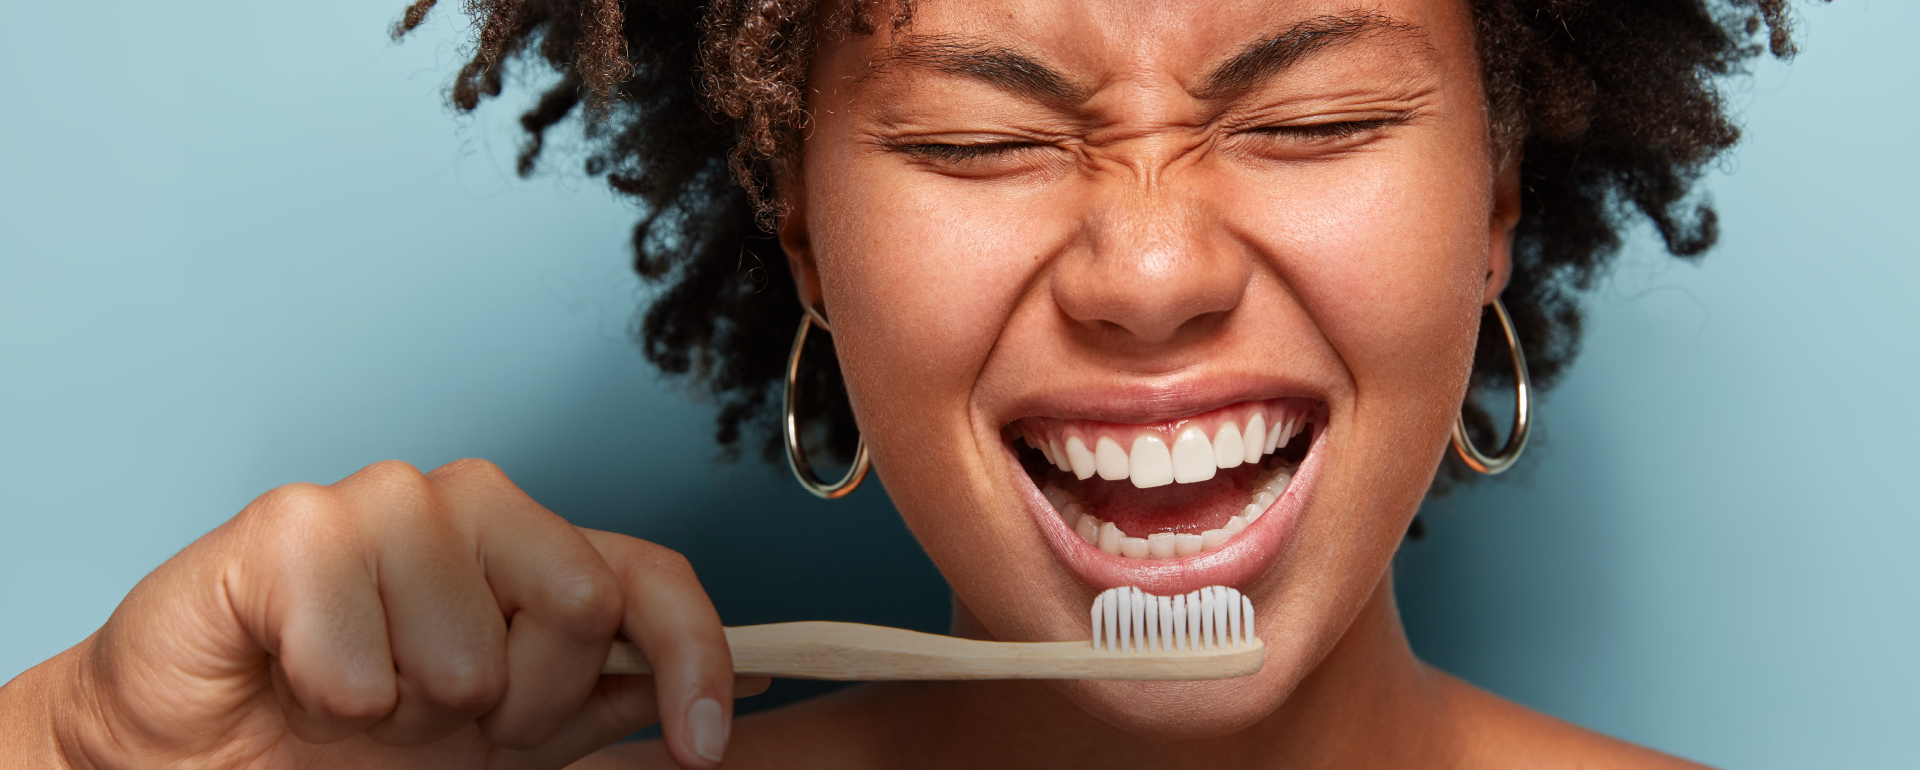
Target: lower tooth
1072 513
1160 545
1212 538
1056 497
1252 512
1088 528
1186 544
1133 547
1110 538
1236 523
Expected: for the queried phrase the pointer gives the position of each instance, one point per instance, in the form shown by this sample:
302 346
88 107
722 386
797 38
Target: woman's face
1145 236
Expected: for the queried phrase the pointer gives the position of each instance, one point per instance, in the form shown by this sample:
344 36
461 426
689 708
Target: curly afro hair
693 106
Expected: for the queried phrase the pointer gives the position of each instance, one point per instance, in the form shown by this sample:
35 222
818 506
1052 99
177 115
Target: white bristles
1111 602
1179 622
1129 620
1153 623
1139 619
1207 639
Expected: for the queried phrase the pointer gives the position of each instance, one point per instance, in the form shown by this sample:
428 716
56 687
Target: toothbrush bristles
1127 619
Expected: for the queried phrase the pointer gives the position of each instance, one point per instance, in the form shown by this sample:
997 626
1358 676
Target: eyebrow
1011 70
995 65
1263 58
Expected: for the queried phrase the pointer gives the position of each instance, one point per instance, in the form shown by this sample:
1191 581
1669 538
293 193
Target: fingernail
707 726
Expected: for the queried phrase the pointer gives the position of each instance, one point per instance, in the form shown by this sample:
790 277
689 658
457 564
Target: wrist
41 717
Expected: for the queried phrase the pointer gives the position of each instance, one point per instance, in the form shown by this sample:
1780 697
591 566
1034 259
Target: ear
796 240
1505 217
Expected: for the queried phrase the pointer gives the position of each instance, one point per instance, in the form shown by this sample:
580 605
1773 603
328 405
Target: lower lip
1237 562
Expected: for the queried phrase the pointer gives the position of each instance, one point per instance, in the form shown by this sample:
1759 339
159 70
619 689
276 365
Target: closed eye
1333 130
953 153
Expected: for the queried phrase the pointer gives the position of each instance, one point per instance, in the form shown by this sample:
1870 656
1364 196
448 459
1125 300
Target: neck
1368 702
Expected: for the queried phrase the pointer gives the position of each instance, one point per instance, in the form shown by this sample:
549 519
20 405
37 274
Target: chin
1181 710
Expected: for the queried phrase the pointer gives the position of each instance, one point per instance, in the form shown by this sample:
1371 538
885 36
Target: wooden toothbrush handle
818 649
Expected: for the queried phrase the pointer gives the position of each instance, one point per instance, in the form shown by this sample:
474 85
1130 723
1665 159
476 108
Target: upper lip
1140 402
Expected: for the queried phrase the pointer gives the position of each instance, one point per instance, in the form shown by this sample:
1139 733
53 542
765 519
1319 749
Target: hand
396 619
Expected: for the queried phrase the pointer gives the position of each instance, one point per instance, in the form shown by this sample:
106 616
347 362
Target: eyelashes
982 156
1343 129
955 153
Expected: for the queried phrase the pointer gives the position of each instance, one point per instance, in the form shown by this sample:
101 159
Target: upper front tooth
1109 460
1079 457
1150 464
1255 437
1228 447
1193 457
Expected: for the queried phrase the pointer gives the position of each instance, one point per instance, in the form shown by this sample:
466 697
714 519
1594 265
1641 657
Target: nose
1151 267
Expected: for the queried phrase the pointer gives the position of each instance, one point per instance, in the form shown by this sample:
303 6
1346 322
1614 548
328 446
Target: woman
1035 230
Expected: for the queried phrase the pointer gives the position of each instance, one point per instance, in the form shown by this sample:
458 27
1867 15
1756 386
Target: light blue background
243 244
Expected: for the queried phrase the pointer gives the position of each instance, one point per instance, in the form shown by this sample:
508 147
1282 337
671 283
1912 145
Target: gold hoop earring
1522 410
797 459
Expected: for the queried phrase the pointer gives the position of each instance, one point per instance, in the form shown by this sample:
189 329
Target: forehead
1200 45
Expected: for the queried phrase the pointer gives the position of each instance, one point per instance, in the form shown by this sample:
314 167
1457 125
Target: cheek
921 283
1387 257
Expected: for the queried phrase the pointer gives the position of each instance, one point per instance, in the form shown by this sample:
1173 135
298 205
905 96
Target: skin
1139 241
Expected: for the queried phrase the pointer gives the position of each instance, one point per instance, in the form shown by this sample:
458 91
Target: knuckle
587 600
471 470
298 506
465 685
393 475
661 561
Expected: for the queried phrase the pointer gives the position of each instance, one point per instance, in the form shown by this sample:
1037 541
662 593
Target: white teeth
1273 435
1072 513
1256 433
1088 529
1160 545
1059 458
1186 544
1109 460
1193 457
1229 447
1150 464
1056 497
1079 457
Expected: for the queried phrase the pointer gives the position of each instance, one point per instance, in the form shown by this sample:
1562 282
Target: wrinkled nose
1151 267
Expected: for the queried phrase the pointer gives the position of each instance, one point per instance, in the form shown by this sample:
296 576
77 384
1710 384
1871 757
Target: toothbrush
1206 634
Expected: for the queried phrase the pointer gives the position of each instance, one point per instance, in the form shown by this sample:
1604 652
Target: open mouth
1167 490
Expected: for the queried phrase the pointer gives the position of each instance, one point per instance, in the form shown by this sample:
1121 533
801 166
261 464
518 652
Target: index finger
669 617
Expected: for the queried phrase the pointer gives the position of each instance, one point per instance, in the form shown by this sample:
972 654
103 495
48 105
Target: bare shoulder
824 732
1495 732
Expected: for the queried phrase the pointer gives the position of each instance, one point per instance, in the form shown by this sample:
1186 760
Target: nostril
1149 298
